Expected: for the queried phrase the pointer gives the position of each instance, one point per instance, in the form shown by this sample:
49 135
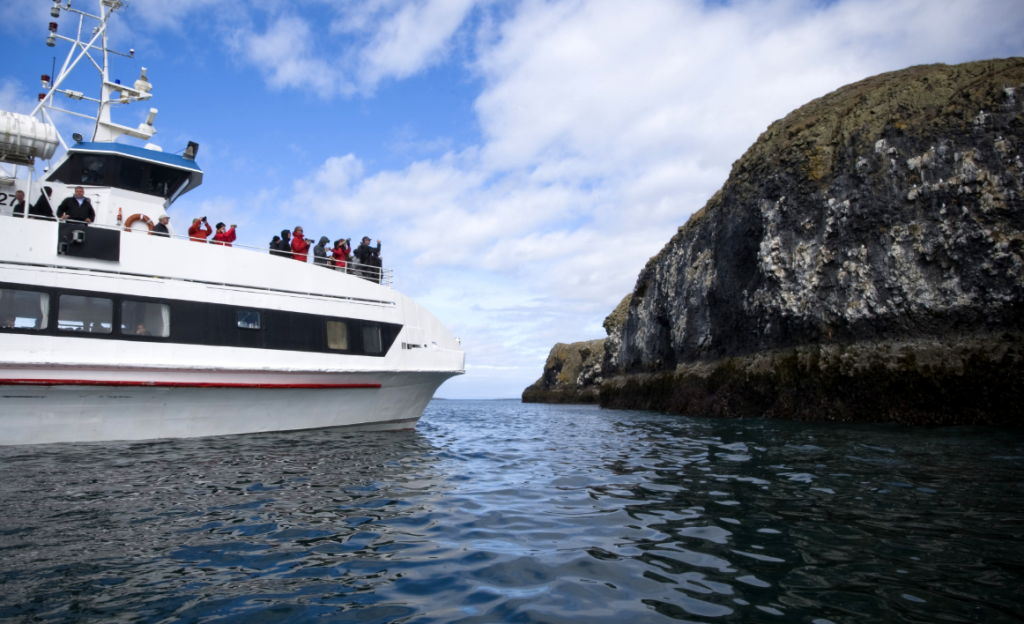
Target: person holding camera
371 258
320 254
341 253
224 237
197 228
300 245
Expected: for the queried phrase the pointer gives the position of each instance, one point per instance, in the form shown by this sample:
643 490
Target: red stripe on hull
175 384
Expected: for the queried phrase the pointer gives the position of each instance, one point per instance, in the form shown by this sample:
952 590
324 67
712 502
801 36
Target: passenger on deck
77 208
42 207
300 245
340 254
320 252
284 245
19 203
160 229
223 236
275 246
369 257
197 228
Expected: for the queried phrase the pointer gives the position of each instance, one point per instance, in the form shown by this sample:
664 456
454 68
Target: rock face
864 261
572 374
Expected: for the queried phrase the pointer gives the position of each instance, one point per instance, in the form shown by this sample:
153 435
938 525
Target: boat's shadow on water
498 511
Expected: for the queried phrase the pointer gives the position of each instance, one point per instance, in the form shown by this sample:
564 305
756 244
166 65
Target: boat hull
39 408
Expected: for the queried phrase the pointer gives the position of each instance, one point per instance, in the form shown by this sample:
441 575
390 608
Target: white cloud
414 37
367 42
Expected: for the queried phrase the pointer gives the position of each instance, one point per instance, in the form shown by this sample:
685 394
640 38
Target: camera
203 219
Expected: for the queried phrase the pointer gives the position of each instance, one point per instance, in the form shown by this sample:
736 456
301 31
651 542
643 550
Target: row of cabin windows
25 309
120 172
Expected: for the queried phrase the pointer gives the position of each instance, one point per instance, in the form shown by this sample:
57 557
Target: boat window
132 175
23 309
371 339
337 335
145 319
163 181
94 169
247 319
89 315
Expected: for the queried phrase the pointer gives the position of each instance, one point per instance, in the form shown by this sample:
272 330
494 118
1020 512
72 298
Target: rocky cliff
864 261
572 374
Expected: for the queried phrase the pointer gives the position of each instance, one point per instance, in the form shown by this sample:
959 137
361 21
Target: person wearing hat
282 245
160 229
371 257
196 229
224 236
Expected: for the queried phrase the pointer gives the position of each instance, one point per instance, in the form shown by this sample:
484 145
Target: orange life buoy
136 217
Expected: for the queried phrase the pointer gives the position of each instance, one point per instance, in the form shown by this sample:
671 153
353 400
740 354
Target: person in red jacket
196 229
339 256
224 237
300 246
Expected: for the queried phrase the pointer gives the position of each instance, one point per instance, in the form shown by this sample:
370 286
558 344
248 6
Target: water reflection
497 511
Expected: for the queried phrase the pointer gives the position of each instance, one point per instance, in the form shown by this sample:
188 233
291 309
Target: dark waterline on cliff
498 511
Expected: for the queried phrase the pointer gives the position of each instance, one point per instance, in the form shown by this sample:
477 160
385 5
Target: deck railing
380 275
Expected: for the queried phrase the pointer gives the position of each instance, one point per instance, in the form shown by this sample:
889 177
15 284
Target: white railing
383 276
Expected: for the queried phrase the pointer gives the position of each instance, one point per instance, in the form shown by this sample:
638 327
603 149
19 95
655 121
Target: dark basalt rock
864 261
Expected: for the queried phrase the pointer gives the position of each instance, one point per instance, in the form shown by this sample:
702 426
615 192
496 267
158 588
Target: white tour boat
109 332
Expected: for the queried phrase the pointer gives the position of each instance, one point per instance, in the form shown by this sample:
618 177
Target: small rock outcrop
572 374
864 261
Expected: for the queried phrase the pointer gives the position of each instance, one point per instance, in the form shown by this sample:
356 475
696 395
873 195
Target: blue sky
520 160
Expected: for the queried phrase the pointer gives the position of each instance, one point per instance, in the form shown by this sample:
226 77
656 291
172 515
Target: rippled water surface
494 511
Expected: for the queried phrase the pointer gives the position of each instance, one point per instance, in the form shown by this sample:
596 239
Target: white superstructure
108 332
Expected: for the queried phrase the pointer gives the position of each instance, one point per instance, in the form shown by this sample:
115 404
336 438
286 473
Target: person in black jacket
19 203
320 252
42 207
370 258
284 245
77 208
160 229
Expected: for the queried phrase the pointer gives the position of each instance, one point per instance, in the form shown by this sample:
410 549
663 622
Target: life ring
136 217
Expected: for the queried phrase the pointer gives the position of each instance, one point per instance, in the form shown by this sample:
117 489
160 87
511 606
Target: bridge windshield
121 172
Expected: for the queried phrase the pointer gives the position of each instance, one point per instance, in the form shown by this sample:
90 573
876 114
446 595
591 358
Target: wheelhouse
140 170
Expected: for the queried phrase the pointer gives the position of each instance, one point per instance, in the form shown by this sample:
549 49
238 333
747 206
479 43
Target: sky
519 160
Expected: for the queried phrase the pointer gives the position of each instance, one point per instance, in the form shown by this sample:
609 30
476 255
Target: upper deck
34 243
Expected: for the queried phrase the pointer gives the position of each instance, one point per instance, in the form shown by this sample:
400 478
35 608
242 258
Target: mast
105 130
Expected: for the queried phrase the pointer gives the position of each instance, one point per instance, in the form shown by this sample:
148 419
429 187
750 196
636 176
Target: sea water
495 511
